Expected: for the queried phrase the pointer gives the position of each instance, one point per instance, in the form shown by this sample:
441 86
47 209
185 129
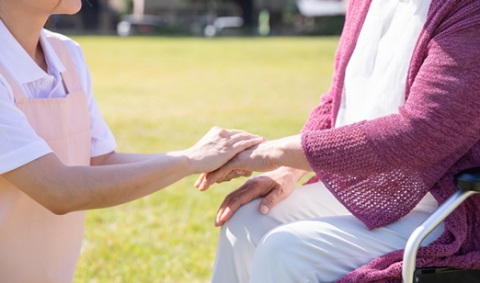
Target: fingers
223 174
226 144
243 144
237 139
232 203
249 191
270 200
225 132
203 182
217 147
234 135
274 186
212 177
233 175
243 141
200 180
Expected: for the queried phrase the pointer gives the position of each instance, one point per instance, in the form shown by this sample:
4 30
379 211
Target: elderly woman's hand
274 186
263 157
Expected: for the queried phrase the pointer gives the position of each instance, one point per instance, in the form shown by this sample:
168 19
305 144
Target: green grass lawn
161 94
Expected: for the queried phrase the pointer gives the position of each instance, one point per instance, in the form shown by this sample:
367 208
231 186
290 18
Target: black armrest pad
446 275
468 179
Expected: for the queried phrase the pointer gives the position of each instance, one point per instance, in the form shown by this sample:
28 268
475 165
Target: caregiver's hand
255 158
217 147
274 186
263 157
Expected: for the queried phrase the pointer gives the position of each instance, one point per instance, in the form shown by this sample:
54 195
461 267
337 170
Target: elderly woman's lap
308 237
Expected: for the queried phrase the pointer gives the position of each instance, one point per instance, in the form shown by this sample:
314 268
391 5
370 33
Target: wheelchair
468 184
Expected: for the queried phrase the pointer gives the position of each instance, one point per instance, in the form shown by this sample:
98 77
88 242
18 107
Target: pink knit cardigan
380 169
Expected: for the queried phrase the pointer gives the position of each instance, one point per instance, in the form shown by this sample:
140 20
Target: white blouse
376 74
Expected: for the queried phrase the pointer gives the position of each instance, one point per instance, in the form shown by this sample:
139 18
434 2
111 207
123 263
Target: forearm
114 158
63 189
281 155
295 174
288 152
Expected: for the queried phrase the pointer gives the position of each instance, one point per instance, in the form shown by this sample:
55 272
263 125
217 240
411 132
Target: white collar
19 64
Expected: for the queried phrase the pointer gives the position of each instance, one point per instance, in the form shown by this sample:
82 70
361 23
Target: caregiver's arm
63 189
115 158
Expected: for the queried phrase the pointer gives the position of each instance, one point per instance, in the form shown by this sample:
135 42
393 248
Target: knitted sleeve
321 116
380 169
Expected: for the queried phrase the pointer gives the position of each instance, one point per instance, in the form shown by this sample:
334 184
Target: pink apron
35 244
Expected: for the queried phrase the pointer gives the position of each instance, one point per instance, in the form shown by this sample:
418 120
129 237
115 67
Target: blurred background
164 72
205 17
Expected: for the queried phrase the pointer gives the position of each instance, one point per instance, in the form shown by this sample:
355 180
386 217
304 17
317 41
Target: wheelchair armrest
446 275
468 183
468 180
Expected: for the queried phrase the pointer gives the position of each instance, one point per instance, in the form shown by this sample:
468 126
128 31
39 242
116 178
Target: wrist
296 174
186 160
289 152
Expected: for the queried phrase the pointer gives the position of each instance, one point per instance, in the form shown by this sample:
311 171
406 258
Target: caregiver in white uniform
51 131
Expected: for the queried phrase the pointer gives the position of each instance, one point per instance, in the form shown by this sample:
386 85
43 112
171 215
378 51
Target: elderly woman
399 121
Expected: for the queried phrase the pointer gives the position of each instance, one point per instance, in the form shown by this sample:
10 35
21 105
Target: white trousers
308 237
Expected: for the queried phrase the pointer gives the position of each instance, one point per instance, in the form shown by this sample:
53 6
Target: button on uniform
46 82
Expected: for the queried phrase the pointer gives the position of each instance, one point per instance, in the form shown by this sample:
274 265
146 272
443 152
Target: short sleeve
19 144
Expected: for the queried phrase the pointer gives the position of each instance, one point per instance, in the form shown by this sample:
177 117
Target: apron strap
70 76
18 93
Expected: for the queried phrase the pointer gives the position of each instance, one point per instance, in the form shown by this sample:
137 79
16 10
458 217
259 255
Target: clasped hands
282 160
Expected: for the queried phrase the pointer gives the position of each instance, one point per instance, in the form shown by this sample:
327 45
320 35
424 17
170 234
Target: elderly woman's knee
248 225
244 217
278 244
243 227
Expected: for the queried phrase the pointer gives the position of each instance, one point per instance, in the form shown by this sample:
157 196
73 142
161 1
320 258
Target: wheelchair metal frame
468 183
